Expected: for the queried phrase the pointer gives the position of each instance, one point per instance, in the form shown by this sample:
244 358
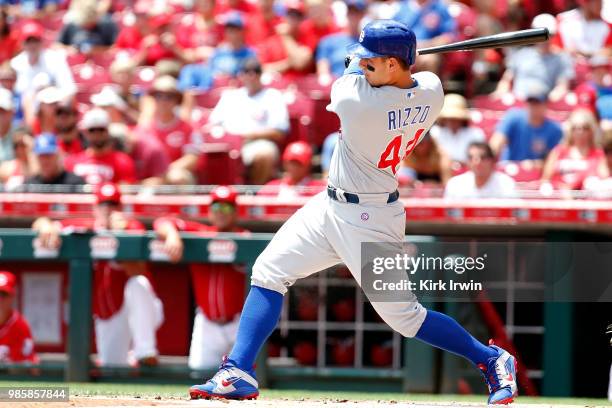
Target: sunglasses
97 130
223 208
581 127
478 156
32 40
19 144
66 112
165 96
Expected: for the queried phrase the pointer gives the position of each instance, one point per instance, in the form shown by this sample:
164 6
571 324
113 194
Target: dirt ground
261 403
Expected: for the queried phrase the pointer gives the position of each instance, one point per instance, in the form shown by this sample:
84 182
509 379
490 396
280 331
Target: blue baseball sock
444 332
260 314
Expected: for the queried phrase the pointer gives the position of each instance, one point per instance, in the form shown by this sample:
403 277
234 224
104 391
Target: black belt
332 192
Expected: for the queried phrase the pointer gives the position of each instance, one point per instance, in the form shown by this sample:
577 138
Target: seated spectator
87 31
135 27
244 7
297 181
539 64
319 22
432 25
218 288
49 164
127 312
599 83
122 75
70 139
181 142
16 342
43 118
262 23
598 187
6 125
427 164
263 120
198 32
149 154
331 51
578 156
31 9
526 134
35 61
453 132
118 110
8 78
225 61
582 32
9 41
100 161
286 52
482 180
14 172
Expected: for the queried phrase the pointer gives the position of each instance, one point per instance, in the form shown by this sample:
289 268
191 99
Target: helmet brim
360 51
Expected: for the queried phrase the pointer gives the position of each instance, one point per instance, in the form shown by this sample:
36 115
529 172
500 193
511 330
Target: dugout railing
416 372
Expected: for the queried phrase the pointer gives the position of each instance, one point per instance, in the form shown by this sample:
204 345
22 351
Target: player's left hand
173 246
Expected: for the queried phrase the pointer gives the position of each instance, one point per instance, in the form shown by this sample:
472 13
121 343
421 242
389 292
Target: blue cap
45 143
233 19
360 5
385 38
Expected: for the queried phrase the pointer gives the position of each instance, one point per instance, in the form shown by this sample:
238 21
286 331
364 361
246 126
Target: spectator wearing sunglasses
14 172
50 169
218 288
70 139
100 161
482 180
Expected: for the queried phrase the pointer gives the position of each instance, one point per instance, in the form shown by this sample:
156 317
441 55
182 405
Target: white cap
108 97
545 21
49 95
95 118
6 99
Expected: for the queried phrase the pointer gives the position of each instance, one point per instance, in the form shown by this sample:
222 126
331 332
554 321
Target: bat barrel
509 39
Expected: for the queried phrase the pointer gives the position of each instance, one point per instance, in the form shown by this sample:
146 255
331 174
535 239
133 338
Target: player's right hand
48 236
173 246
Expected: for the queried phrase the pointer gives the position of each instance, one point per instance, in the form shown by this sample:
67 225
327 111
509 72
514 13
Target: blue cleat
500 375
230 382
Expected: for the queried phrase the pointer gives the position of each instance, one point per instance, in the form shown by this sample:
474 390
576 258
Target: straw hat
455 107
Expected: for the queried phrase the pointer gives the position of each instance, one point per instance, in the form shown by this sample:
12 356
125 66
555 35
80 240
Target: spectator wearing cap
582 32
538 65
225 61
578 156
287 52
70 139
16 342
482 180
43 117
127 312
453 132
49 164
9 41
14 172
100 161
8 78
297 180
259 115
88 31
218 288
332 48
432 25
180 141
36 60
199 32
6 125
118 110
526 135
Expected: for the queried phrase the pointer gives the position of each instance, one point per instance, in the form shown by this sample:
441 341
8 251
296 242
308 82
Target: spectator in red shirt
297 162
578 156
218 288
14 172
181 142
198 33
16 343
287 52
127 312
150 157
319 23
261 25
69 138
9 43
100 161
243 6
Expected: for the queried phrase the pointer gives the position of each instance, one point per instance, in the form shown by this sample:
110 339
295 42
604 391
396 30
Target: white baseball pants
210 341
134 325
326 232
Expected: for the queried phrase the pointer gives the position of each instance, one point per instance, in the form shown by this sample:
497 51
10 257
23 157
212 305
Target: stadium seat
486 120
143 78
301 110
518 172
89 75
221 162
497 104
209 99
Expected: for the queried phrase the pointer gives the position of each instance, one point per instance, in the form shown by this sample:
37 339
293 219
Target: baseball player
126 309
218 288
384 111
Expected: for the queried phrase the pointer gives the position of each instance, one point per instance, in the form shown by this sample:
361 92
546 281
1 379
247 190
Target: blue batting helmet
385 38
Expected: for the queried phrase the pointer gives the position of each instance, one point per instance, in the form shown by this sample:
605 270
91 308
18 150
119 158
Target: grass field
140 395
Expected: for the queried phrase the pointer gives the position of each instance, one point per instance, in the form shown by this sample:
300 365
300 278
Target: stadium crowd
186 92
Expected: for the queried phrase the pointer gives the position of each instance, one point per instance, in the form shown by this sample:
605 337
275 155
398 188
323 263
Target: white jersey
379 127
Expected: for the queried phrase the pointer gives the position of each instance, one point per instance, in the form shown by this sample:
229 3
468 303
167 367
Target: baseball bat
509 39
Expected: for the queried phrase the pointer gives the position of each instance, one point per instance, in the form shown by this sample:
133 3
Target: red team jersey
177 137
109 277
16 343
113 166
218 288
572 172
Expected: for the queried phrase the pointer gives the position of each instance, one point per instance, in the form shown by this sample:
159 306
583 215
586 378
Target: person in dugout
127 312
16 343
218 288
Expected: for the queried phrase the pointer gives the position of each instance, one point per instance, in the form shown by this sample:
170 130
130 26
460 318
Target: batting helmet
385 38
